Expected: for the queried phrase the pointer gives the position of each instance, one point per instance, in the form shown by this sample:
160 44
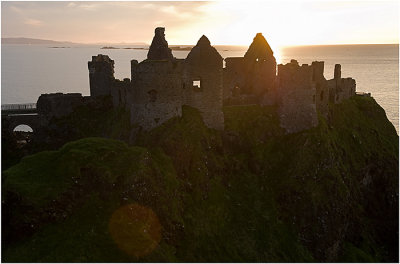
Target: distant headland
35 41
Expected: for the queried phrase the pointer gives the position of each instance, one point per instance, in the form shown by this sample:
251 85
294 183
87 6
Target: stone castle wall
101 75
162 84
156 93
203 83
341 88
57 105
296 107
321 88
252 78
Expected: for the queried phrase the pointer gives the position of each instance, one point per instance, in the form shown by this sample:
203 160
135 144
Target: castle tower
297 92
321 88
338 72
259 50
252 78
101 75
156 93
203 82
159 46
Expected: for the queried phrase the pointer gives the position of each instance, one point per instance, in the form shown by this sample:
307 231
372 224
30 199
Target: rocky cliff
184 192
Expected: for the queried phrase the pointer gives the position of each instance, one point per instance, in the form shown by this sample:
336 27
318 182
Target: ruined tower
259 50
321 88
101 75
203 82
252 78
340 88
156 93
159 46
297 109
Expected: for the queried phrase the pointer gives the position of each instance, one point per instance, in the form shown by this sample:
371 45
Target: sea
27 71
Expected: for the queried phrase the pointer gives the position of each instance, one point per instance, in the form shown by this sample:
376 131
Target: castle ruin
161 84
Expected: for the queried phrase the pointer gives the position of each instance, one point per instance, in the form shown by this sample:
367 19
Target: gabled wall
203 66
252 78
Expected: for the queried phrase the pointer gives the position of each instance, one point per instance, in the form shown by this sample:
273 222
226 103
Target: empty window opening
152 95
23 135
322 95
197 85
313 98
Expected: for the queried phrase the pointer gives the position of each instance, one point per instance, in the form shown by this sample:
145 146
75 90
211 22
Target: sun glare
283 23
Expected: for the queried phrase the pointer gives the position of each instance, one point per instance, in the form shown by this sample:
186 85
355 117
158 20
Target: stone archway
24 128
23 134
29 120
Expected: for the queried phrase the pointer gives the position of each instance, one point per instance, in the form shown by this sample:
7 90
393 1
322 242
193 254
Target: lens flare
135 229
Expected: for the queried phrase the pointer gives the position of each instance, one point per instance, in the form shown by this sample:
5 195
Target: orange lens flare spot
135 229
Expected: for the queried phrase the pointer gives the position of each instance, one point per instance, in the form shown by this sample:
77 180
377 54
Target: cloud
71 4
16 9
33 22
88 7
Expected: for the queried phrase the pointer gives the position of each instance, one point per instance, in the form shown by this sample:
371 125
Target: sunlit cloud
16 9
33 22
89 7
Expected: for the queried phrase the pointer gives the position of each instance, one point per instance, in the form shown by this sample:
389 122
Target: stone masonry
252 78
101 75
161 85
297 108
203 82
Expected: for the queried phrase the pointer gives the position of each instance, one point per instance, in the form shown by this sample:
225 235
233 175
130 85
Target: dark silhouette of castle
160 85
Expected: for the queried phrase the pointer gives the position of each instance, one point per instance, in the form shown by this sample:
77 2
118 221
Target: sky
283 23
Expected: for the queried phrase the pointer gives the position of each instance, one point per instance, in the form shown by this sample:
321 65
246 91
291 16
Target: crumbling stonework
252 78
203 82
321 88
156 93
341 88
296 107
58 104
119 92
161 85
101 75
159 46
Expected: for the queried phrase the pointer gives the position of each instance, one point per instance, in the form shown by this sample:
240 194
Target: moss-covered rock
247 194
